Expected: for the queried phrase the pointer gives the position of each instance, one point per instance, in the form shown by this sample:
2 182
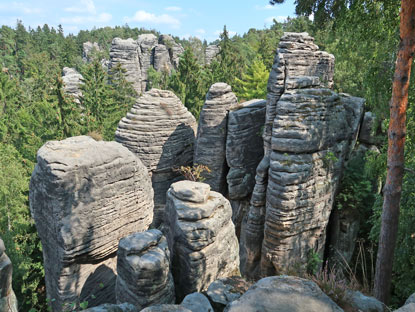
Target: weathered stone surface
411 299
197 302
127 53
8 301
211 135
285 294
160 131
146 42
72 81
166 308
162 58
211 52
410 307
225 290
84 196
174 49
124 307
88 48
367 130
189 191
143 267
363 303
202 240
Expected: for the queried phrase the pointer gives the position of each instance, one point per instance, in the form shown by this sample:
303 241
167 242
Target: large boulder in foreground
8 301
285 294
85 196
143 267
161 132
201 236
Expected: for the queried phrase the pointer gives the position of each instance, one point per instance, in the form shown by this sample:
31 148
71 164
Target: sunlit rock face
85 195
161 132
309 131
72 81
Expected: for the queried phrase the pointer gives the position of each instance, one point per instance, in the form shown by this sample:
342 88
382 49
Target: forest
363 36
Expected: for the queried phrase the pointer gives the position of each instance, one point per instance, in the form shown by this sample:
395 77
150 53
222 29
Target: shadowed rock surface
285 294
84 196
161 132
146 42
367 130
124 307
211 135
166 308
8 301
202 240
143 267
72 81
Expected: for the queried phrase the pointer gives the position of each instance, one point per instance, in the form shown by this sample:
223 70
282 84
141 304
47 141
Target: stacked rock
160 131
143 266
211 52
8 302
84 196
201 236
72 81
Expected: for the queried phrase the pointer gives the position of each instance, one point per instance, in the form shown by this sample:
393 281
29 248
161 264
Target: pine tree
253 84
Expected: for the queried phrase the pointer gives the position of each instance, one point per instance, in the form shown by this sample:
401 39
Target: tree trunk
396 142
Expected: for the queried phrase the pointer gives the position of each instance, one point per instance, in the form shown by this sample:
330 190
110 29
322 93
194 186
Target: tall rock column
161 132
72 81
211 135
8 302
85 196
146 42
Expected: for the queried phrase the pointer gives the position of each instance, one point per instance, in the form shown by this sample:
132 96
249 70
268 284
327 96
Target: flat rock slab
191 191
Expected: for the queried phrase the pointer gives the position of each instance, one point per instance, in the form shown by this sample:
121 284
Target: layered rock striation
161 132
72 81
143 267
201 236
85 196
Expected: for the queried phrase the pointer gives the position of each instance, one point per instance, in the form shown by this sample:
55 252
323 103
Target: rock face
201 237
84 196
174 49
366 134
211 135
124 307
143 267
363 303
197 302
211 52
72 81
225 290
309 131
125 52
285 292
160 131
8 302
146 42
88 48
244 150
166 308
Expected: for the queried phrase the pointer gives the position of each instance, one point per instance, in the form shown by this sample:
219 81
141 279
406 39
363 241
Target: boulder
197 302
211 135
72 81
202 240
166 308
8 301
211 52
411 299
225 290
124 307
285 294
85 195
410 307
363 303
143 267
367 130
161 132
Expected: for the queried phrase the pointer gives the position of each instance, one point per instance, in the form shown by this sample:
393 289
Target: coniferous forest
363 37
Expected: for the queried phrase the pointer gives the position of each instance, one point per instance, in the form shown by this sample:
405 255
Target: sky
183 18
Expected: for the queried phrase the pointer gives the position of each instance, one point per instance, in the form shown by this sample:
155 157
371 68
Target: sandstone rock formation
363 303
143 267
174 49
367 130
88 48
309 131
146 42
84 196
211 135
211 52
201 236
160 131
8 301
124 307
283 293
125 52
72 81
166 308
197 302
225 290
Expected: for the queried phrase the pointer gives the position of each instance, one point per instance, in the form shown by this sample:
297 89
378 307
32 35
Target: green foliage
314 262
253 84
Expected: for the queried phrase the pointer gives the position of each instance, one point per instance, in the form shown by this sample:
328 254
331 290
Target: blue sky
183 18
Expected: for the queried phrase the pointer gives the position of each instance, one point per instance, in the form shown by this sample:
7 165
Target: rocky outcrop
201 236
143 267
309 131
72 81
146 42
124 307
283 293
363 303
160 131
88 48
367 129
211 135
166 308
197 302
225 290
174 50
244 150
8 301
211 52
126 53
85 195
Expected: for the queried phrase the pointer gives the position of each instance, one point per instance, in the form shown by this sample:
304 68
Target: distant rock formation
88 48
201 236
211 52
85 196
8 301
72 81
161 132
309 131
174 51
147 43
143 267
211 135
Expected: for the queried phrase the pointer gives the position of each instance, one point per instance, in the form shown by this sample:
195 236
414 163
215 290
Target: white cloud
280 19
146 17
266 7
100 18
200 31
86 6
19 7
173 9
